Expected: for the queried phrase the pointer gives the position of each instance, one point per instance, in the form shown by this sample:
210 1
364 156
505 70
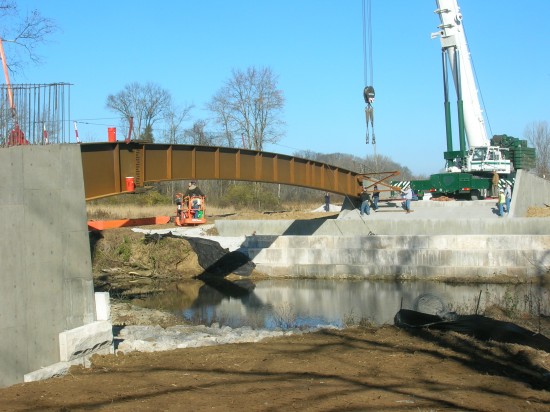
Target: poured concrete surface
441 257
443 240
45 262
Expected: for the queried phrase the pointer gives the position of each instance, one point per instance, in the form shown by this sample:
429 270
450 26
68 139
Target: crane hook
368 95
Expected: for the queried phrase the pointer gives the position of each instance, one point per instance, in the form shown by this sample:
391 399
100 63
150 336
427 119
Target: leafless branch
23 33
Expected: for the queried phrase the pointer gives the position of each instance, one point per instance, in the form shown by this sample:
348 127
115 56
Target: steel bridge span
107 165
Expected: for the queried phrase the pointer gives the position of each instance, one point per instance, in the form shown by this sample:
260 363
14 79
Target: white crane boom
481 156
452 35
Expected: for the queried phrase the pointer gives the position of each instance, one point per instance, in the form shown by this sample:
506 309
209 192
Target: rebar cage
35 114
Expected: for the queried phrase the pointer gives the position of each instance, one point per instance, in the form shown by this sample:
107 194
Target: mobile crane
468 169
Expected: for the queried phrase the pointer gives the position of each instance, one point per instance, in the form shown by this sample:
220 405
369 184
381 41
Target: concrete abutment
49 318
441 240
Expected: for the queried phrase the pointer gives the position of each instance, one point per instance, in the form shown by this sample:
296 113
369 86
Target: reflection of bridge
106 166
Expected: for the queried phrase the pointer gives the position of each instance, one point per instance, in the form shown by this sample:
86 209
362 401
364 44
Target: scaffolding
37 114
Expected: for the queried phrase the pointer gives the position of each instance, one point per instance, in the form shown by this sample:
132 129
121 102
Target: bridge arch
107 165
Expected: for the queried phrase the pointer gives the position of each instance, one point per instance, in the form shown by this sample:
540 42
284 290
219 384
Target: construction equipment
191 210
468 169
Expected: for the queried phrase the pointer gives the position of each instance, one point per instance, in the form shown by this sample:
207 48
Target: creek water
290 303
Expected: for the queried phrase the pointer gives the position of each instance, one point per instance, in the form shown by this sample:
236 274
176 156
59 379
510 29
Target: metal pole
461 132
448 128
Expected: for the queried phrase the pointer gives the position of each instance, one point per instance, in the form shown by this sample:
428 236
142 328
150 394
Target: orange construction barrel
111 134
130 184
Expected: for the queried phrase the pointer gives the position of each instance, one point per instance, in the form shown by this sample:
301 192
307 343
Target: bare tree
249 105
538 134
174 118
23 33
147 104
198 135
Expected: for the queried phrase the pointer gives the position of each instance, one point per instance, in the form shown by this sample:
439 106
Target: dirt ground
359 368
354 369
538 212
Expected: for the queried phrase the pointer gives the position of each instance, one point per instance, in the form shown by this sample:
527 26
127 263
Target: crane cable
367 38
368 91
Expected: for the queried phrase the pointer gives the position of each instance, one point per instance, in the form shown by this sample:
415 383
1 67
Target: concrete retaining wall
45 262
457 240
444 257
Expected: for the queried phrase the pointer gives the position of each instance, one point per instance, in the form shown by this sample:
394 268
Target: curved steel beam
107 165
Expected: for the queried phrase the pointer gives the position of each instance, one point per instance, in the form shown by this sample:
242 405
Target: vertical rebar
36 108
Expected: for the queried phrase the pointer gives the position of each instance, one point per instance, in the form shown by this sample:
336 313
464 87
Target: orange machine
191 210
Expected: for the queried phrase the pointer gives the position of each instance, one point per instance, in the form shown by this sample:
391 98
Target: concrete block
544 242
102 306
405 255
316 256
85 340
363 242
275 256
349 270
298 241
459 258
62 368
259 241
52 371
324 242
416 242
253 253
267 270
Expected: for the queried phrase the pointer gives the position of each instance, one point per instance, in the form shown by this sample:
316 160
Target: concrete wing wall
529 190
45 263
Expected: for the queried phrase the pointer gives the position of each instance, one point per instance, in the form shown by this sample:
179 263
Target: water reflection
307 303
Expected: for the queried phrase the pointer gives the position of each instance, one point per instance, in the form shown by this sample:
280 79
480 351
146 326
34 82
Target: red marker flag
45 134
76 132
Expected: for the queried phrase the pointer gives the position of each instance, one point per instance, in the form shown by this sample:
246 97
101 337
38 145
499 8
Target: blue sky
315 47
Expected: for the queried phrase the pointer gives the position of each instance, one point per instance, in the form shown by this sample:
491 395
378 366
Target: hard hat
501 190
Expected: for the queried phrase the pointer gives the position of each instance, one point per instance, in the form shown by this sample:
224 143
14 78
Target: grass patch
165 258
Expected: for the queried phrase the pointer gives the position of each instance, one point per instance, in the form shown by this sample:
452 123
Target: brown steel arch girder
107 165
